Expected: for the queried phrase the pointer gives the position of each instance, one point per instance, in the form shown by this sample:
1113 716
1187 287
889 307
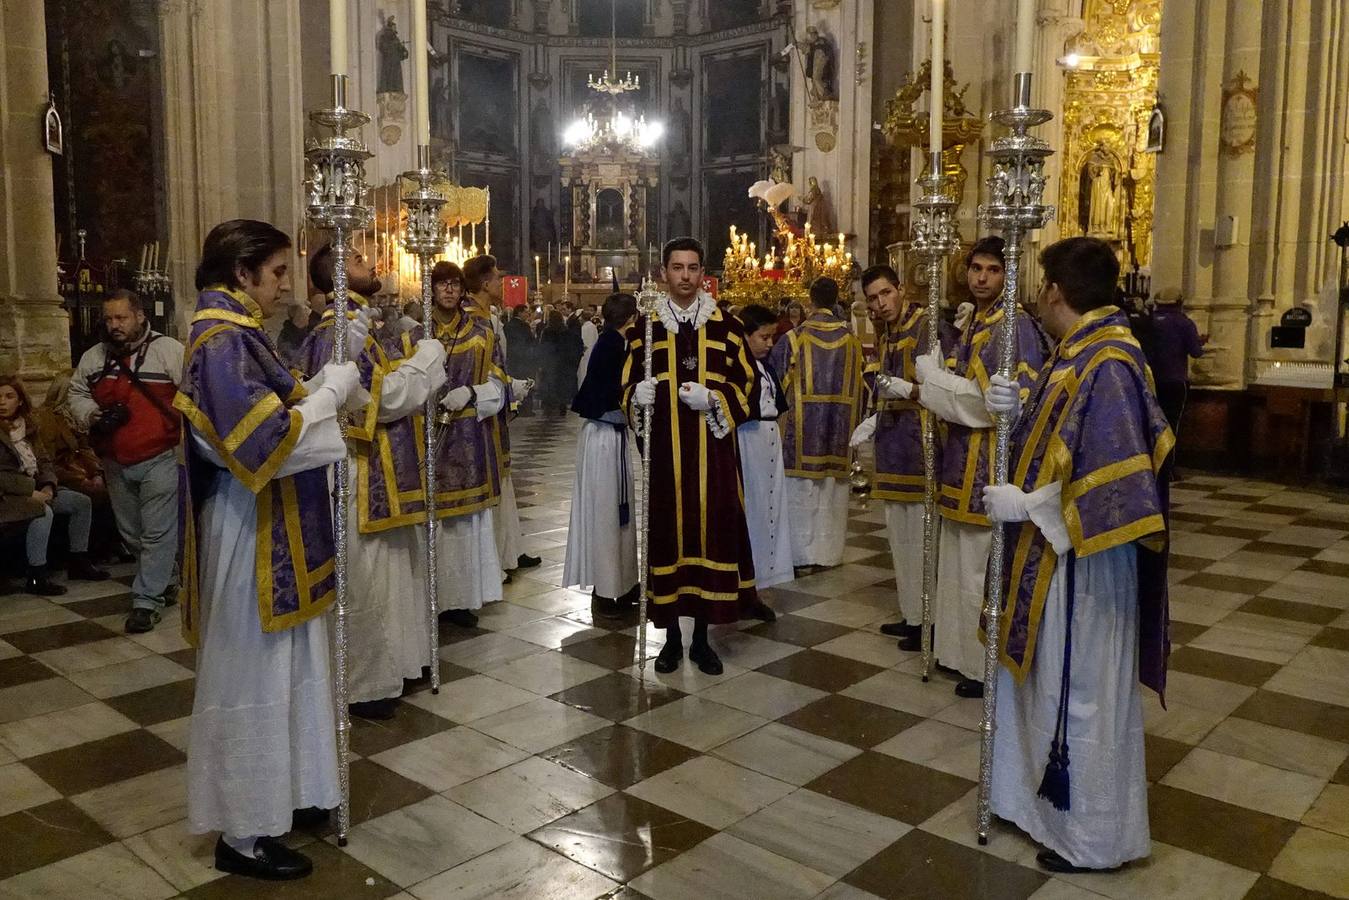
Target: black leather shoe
81 567
705 658
142 620
900 629
309 817
912 643
40 583
669 657
464 618
1053 862
606 607
381 710
630 598
527 562
271 861
969 688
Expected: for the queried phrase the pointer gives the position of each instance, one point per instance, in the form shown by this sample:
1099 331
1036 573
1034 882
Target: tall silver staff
425 236
1015 207
335 185
934 239
647 299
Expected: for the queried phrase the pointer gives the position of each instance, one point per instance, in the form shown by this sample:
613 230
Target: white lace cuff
717 420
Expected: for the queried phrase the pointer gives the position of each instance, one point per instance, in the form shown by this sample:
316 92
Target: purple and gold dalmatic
820 365
240 397
899 423
1093 425
390 480
498 426
966 463
467 479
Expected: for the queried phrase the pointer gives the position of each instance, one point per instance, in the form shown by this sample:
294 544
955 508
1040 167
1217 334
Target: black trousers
1171 397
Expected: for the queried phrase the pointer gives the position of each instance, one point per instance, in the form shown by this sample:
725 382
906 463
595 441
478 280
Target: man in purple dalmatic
388 629
257 560
1085 605
953 389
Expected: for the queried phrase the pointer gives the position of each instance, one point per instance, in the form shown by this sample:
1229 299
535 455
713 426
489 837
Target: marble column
844 170
34 327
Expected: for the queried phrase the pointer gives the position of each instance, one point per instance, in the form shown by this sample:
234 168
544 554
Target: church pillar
233 132
840 159
34 328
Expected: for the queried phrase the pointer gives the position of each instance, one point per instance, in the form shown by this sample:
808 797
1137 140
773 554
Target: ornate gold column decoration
1110 91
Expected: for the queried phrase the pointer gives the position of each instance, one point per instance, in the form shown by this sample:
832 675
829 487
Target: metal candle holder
1016 207
647 300
335 200
935 238
425 235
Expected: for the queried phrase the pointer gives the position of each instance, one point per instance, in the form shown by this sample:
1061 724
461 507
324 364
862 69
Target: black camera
115 415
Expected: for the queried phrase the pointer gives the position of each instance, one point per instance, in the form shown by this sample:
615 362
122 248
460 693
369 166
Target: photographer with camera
122 392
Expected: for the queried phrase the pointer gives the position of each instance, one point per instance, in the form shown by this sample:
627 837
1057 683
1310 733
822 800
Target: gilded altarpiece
1110 91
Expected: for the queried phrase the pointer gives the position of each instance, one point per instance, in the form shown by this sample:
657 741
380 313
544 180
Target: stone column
843 170
34 328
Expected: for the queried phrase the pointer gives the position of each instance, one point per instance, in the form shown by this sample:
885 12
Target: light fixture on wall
617 131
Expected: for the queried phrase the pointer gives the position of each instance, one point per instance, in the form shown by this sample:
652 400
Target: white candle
1025 35
538 282
420 41
145 253
337 35
566 276
935 103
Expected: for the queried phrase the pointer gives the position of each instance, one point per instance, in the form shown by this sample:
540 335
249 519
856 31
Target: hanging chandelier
618 131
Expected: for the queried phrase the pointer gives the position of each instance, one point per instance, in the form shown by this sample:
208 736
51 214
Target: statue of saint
818 216
818 57
1102 202
391 52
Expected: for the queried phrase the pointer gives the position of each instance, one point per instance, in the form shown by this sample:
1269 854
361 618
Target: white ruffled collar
698 313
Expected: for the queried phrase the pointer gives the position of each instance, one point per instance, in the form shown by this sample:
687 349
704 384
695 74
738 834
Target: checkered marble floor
818 764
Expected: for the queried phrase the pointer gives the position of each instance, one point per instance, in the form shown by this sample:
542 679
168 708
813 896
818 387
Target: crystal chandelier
619 131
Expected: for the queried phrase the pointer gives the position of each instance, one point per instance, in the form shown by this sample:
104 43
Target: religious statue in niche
389 95
815 207
677 139
542 143
780 163
1101 197
542 226
609 219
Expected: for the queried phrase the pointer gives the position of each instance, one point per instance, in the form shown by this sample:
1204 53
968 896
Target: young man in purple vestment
1085 605
257 560
700 557
820 364
897 428
952 388
388 633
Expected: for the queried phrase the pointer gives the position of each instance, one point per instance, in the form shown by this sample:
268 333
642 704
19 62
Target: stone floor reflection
817 765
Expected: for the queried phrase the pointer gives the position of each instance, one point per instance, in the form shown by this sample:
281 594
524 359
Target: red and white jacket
101 380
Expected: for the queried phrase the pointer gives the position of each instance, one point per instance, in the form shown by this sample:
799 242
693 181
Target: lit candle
934 100
1025 35
841 238
337 35
420 42
566 276
538 282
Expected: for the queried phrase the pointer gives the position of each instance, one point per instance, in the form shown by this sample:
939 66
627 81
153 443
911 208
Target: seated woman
29 492
77 466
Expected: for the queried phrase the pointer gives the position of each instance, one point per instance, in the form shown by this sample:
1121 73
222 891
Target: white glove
963 313
695 396
1006 503
926 366
430 354
863 433
457 399
342 380
888 387
645 393
358 329
520 388
1003 397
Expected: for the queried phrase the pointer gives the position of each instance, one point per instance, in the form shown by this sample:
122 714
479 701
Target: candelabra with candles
935 238
424 236
752 279
335 188
1016 208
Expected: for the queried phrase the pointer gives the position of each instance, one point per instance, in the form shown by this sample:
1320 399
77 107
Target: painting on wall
733 113
488 111
594 18
725 14
726 202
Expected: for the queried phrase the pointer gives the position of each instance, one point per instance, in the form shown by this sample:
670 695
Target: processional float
1016 208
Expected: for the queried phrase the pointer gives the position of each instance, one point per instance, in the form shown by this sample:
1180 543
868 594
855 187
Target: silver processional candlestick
335 189
647 300
934 239
1016 208
425 235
